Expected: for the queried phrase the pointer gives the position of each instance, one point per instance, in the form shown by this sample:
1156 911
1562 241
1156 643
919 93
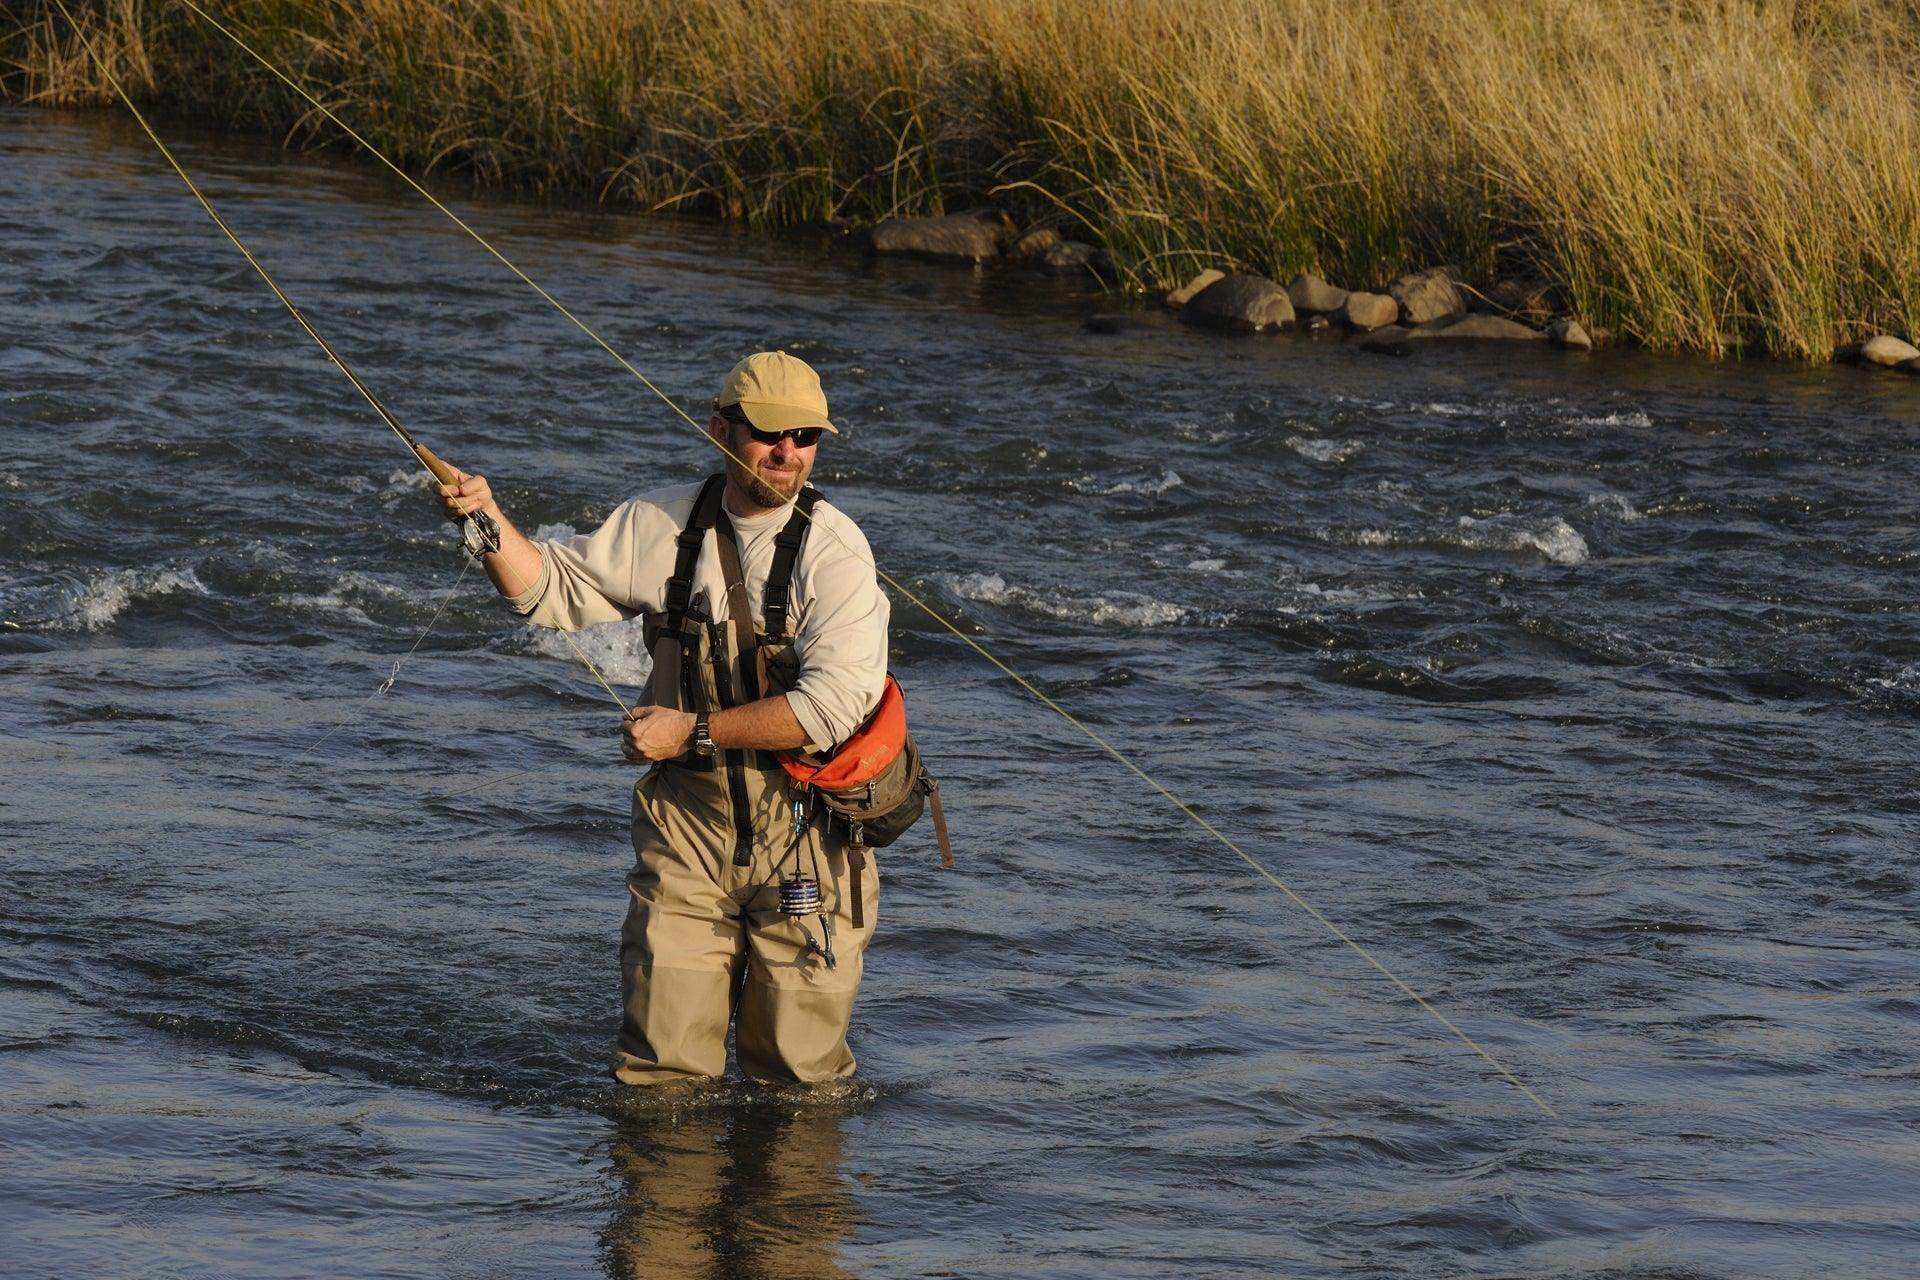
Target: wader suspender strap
786 550
679 598
706 508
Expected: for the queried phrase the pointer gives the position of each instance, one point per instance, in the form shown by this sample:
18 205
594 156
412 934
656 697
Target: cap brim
783 417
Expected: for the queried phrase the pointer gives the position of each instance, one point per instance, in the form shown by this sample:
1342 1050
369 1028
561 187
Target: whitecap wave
349 596
618 649
1615 505
403 482
1631 418
1552 538
1115 608
1324 450
94 604
1166 480
549 532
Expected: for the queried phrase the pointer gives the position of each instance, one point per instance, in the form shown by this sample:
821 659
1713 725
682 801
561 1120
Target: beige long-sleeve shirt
836 610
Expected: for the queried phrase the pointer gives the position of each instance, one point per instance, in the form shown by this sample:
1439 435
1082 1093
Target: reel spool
800 896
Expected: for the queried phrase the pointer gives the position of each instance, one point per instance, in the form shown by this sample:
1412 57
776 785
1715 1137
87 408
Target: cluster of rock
1883 350
1416 307
982 235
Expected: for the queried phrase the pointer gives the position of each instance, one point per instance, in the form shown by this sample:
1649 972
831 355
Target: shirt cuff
819 734
528 600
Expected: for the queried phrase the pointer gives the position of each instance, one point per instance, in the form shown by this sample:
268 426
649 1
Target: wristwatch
702 737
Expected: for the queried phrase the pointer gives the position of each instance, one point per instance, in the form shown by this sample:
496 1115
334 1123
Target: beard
769 488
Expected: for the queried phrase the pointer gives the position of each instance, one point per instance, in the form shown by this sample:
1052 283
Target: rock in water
1245 302
1068 257
969 237
1365 311
1887 351
1567 333
1034 244
1480 328
1312 296
1398 339
1426 295
1177 298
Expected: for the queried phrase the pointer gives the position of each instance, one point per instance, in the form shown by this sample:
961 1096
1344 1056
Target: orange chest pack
870 788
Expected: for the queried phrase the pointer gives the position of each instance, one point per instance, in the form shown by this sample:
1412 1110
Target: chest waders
706 940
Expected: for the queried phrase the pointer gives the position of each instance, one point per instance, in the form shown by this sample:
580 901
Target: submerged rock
1365 311
1113 323
1070 257
1034 244
1567 333
1244 302
1426 295
1177 298
1396 339
970 237
1479 328
1312 296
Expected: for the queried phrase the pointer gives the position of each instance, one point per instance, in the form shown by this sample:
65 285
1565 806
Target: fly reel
799 896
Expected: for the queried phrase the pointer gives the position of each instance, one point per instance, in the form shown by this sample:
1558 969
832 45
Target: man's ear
717 430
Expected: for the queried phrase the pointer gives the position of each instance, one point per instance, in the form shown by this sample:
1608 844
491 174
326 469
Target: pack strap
786 550
706 509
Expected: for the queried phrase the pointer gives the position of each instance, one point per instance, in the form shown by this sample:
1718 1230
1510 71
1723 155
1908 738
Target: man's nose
785 450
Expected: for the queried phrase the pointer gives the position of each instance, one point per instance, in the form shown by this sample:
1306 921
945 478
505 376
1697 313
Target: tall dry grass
1708 175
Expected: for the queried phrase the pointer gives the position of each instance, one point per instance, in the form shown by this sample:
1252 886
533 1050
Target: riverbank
1724 179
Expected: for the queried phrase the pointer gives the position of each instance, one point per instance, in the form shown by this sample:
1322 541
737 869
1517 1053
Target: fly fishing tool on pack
800 894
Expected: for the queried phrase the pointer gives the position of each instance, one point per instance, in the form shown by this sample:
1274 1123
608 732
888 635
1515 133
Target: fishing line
1090 733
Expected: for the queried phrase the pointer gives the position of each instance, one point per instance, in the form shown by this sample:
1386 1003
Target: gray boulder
1365 311
1244 302
1177 298
1887 351
969 237
1312 296
1569 334
1426 295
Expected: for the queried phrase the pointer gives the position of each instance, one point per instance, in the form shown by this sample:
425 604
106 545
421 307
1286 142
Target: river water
1584 691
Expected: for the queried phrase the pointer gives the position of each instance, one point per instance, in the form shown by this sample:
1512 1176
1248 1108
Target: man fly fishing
752 897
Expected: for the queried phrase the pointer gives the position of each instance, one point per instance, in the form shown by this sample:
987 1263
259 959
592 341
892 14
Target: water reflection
733 1191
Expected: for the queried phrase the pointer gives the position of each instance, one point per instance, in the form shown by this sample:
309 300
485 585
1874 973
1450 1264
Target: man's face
773 473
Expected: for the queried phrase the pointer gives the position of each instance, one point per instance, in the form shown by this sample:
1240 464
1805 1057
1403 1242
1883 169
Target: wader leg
792 1024
680 952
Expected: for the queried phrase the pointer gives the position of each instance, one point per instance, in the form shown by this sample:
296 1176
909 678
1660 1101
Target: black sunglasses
803 437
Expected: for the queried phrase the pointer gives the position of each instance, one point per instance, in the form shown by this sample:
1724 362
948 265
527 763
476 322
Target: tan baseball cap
777 392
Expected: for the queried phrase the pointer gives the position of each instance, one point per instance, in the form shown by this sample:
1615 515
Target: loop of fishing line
1090 733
